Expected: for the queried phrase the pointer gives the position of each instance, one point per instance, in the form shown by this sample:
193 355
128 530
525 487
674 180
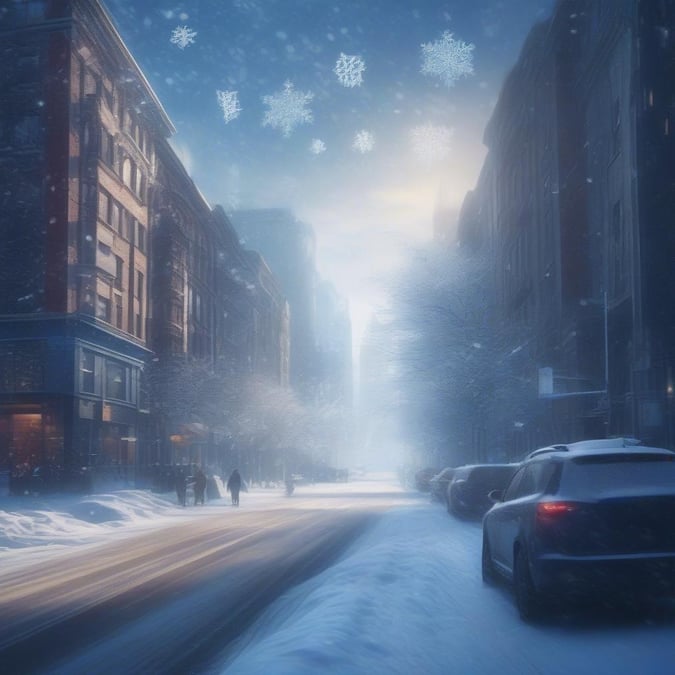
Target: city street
343 578
194 585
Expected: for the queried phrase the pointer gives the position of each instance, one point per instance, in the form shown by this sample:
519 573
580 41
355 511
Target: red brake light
553 509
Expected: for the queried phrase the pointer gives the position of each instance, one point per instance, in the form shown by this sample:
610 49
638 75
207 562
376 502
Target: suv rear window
595 475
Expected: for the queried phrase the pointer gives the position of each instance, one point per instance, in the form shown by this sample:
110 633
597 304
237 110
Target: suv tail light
554 510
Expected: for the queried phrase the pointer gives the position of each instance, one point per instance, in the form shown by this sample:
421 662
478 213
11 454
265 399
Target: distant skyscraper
288 246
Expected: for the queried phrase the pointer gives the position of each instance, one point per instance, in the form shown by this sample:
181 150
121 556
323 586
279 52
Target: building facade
289 248
573 208
112 264
76 161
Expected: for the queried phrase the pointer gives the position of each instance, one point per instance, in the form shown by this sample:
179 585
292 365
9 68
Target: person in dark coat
199 486
181 486
234 486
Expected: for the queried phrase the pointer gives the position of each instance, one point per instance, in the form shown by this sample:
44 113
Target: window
104 203
107 148
140 237
115 215
118 311
102 308
139 325
140 184
140 281
126 171
116 381
512 489
87 372
119 271
527 483
120 109
127 225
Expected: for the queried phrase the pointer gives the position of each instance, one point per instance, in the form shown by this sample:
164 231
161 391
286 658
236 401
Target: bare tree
459 378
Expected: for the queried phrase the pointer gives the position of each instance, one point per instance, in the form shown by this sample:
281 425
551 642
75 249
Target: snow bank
67 520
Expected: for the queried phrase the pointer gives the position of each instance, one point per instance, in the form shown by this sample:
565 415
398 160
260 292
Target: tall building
289 248
116 276
574 202
80 125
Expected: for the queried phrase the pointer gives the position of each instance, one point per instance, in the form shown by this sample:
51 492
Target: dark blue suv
584 518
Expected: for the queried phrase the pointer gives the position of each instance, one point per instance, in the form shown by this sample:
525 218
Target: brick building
110 258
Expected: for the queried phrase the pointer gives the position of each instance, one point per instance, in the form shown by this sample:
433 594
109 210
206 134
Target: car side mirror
496 495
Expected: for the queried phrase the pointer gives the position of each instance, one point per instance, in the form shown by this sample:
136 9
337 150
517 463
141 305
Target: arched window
126 172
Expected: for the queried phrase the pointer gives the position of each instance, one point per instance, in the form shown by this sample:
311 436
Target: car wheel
528 599
487 568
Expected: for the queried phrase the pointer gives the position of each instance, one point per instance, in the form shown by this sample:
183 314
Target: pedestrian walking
199 486
234 486
181 486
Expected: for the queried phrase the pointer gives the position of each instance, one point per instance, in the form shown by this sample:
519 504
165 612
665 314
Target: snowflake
229 104
448 59
316 147
183 36
287 109
363 141
349 70
431 143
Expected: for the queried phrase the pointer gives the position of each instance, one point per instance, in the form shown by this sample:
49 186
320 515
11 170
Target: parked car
580 520
423 477
471 484
438 485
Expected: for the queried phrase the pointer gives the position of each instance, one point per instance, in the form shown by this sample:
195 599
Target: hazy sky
365 208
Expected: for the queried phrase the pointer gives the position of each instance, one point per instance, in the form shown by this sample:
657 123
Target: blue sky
365 208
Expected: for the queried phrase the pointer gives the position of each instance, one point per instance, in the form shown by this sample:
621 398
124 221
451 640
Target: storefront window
87 373
116 381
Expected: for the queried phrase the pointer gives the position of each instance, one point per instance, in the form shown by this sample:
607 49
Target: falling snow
317 146
448 59
229 104
363 142
287 109
431 143
349 70
182 36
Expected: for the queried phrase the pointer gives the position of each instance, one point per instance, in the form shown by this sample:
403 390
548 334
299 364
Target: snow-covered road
406 596
409 598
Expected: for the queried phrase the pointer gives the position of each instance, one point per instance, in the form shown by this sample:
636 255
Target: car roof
468 467
594 443
581 450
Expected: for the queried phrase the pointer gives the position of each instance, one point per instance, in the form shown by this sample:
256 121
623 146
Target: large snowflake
349 70
431 143
287 109
364 142
448 59
317 146
182 36
229 104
